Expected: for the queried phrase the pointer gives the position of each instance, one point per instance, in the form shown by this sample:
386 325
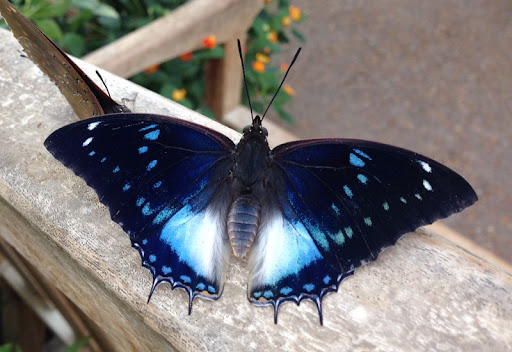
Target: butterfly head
256 129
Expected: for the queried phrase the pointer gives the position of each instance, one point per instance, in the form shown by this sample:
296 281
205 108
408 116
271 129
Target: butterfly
84 96
306 213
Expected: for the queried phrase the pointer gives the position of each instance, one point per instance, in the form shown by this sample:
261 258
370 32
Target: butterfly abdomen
243 222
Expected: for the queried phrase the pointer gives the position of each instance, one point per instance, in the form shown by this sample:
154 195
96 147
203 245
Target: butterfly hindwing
163 180
340 203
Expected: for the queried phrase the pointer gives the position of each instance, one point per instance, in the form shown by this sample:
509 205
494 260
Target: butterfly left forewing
345 201
163 180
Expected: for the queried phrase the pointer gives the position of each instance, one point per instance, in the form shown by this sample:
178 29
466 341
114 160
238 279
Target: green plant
81 26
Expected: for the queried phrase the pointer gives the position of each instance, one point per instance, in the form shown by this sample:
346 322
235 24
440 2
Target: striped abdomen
243 223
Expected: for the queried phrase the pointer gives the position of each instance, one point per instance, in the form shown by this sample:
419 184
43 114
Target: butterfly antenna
282 81
245 80
104 85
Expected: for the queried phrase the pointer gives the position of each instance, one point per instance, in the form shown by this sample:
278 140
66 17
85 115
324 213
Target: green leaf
208 54
50 28
54 9
74 44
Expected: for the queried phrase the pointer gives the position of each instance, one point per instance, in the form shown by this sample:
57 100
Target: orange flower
284 67
267 1
288 89
186 56
210 42
264 59
272 36
179 94
285 21
294 12
258 66
151 69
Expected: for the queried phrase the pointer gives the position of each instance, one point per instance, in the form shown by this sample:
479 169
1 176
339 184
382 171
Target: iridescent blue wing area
163 180
338 204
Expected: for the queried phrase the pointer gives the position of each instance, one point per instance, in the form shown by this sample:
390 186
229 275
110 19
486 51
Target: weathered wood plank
179 32
425 293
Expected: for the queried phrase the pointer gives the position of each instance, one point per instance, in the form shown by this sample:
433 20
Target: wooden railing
424 293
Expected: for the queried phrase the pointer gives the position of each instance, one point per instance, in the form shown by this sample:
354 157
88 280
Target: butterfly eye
247 129
264 131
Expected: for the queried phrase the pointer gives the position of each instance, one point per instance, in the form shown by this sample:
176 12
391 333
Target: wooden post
224 80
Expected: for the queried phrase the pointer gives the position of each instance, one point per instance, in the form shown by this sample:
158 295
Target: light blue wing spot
92 153
356 161
257 294
338 238
140 201
385 205
335 208
402 199
368 221
418 196
200 286
143 149
151 165
166 270
348 191
153 135
148 127
144 242
211 289
285 290
186 279
126 187
349 232
308 287
152 258
363 154
116 169
157 184
162 216
146 210
103 160
362 178
317 234
268 294
327 279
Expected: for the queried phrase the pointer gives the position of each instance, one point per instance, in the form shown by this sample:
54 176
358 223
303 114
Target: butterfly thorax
250 160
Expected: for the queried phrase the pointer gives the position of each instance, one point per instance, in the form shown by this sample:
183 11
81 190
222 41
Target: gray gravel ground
431 76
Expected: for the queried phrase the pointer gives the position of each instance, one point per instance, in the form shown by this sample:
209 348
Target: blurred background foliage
82 26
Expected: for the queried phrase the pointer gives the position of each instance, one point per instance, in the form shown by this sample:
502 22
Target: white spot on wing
427 185
93 125
87 142
425 166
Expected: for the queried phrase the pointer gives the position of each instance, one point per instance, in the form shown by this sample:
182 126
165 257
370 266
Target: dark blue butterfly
307 212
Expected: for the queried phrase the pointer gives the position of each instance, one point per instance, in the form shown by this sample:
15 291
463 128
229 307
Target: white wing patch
282 248
198 240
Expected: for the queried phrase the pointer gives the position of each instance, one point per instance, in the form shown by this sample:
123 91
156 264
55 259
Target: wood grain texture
425 293
177 33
